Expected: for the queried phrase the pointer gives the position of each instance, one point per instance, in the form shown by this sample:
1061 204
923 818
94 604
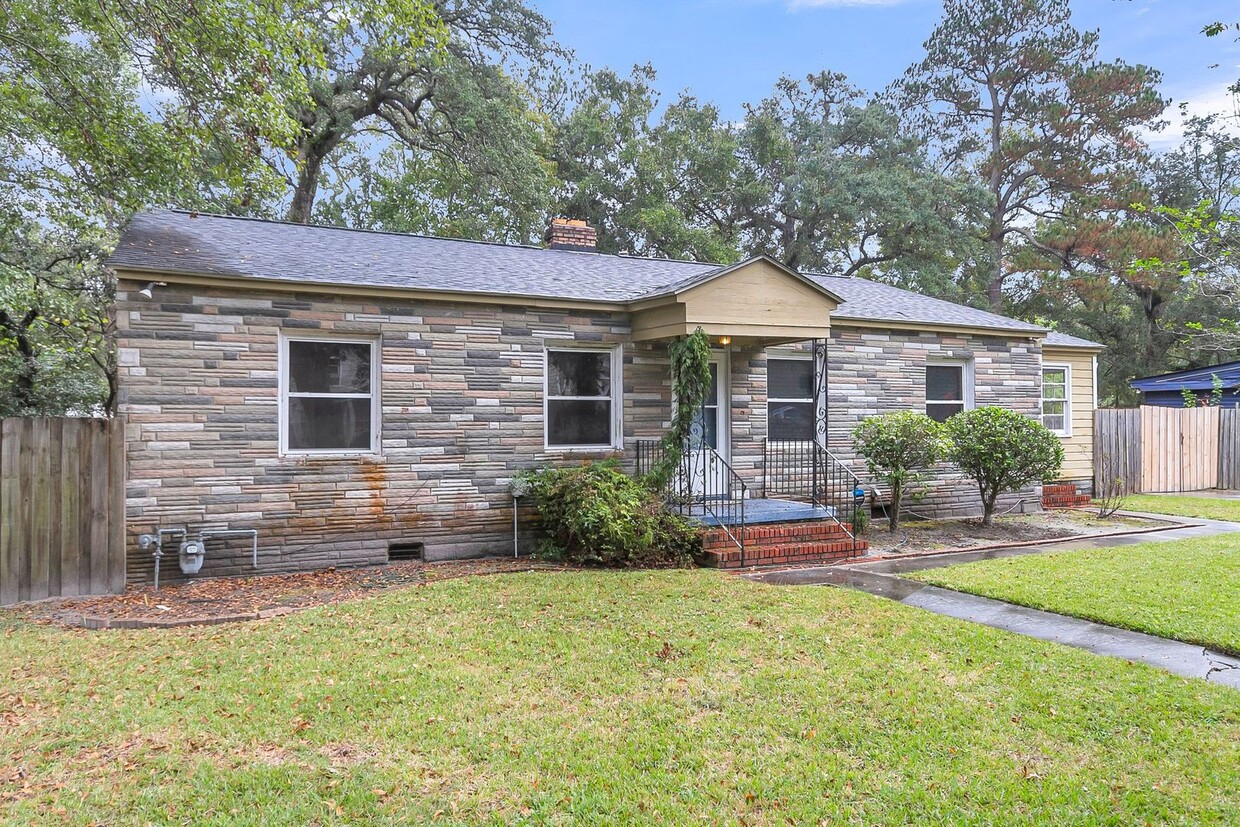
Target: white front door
710 438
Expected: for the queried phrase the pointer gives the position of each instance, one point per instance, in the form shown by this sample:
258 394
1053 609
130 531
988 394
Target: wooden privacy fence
1153 449
62 508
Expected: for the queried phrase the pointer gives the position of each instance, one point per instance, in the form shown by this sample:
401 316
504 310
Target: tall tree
1013 94
829 182
651 186
451 99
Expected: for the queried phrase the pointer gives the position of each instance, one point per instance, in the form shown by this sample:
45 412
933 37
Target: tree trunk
24 382
994 290
988 507
897 494
307 187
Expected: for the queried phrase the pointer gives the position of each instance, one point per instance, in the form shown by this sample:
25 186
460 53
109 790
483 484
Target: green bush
596 514
1003 451
897 447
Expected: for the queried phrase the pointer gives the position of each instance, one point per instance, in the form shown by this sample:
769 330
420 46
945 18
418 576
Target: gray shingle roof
1057 339
172 241
872 301
180 242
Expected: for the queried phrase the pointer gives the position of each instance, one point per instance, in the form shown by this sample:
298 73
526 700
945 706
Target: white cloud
797 5
1215 99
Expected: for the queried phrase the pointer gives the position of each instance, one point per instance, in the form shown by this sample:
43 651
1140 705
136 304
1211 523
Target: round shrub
596 514
897 447
1003 451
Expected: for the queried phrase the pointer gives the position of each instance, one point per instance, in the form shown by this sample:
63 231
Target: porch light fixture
725 340
148 292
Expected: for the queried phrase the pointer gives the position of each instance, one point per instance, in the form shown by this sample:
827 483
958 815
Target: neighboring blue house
1167 390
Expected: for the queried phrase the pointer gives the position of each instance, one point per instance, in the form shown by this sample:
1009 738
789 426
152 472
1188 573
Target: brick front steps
817 541
1063 496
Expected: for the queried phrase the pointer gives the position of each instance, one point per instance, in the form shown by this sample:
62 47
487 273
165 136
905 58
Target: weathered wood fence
1153 449
62 508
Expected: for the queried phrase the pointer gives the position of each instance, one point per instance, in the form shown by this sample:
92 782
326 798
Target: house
1167 390
355 396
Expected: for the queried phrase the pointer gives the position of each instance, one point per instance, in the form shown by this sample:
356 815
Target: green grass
1188 590
602 698
1210 508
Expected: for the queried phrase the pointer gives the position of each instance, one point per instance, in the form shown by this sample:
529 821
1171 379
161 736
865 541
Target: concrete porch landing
763 511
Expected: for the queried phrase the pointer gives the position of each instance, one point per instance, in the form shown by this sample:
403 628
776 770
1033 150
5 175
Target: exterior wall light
149 291
725 340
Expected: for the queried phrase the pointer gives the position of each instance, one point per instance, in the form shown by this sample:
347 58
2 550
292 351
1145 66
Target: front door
710 437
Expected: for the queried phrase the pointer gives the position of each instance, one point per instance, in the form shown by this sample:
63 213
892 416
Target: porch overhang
757 302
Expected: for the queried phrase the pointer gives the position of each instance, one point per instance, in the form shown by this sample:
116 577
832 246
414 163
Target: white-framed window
949 389
581 407
790 398
1057 399
329 400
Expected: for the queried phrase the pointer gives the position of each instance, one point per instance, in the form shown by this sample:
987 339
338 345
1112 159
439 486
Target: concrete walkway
882 578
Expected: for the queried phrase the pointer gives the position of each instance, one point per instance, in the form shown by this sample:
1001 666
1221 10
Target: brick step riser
726 542
792 553
760 537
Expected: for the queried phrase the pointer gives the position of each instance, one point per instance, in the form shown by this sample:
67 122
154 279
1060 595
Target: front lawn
1210 508
1188 590
602 698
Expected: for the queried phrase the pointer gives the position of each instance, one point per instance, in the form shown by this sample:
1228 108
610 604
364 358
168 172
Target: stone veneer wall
875 371
462 411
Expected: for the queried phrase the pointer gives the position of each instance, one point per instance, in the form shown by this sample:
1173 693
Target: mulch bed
916 537
227 599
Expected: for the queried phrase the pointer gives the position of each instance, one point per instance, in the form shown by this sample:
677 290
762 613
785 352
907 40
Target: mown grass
603 698
1210 508
1188 590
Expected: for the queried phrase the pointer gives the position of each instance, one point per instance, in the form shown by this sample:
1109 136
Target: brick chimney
571 234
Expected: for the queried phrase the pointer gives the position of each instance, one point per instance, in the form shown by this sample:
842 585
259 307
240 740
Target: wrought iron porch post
820 407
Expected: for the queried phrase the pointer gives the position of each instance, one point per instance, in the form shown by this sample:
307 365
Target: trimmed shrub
897 447
1003 451
596 514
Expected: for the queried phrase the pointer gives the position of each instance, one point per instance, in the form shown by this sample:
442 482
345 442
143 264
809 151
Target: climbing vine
690 358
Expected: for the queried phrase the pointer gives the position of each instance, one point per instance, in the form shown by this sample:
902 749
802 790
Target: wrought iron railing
703 487
805 470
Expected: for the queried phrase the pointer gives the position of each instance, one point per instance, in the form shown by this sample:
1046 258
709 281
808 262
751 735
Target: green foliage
596 514
1002 451
897 447
690 364
1015 98
55 352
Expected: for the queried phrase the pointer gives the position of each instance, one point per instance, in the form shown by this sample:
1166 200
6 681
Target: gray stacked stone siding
462 411
873 371
461 395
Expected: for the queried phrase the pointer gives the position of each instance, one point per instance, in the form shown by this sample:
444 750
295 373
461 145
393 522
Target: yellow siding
755 302
1078 462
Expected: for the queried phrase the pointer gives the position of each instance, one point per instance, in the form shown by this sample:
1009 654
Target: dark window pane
578 422
320 423
578 373
942 411
1054 423
944 383
712 397
790 378
328 367
706 428
791 420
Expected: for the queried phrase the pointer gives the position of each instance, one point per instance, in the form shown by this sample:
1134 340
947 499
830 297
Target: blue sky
732 51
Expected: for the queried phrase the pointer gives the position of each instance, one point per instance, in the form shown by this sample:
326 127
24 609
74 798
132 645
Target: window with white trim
327 396
947 390
790 399
1056 400
580 403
